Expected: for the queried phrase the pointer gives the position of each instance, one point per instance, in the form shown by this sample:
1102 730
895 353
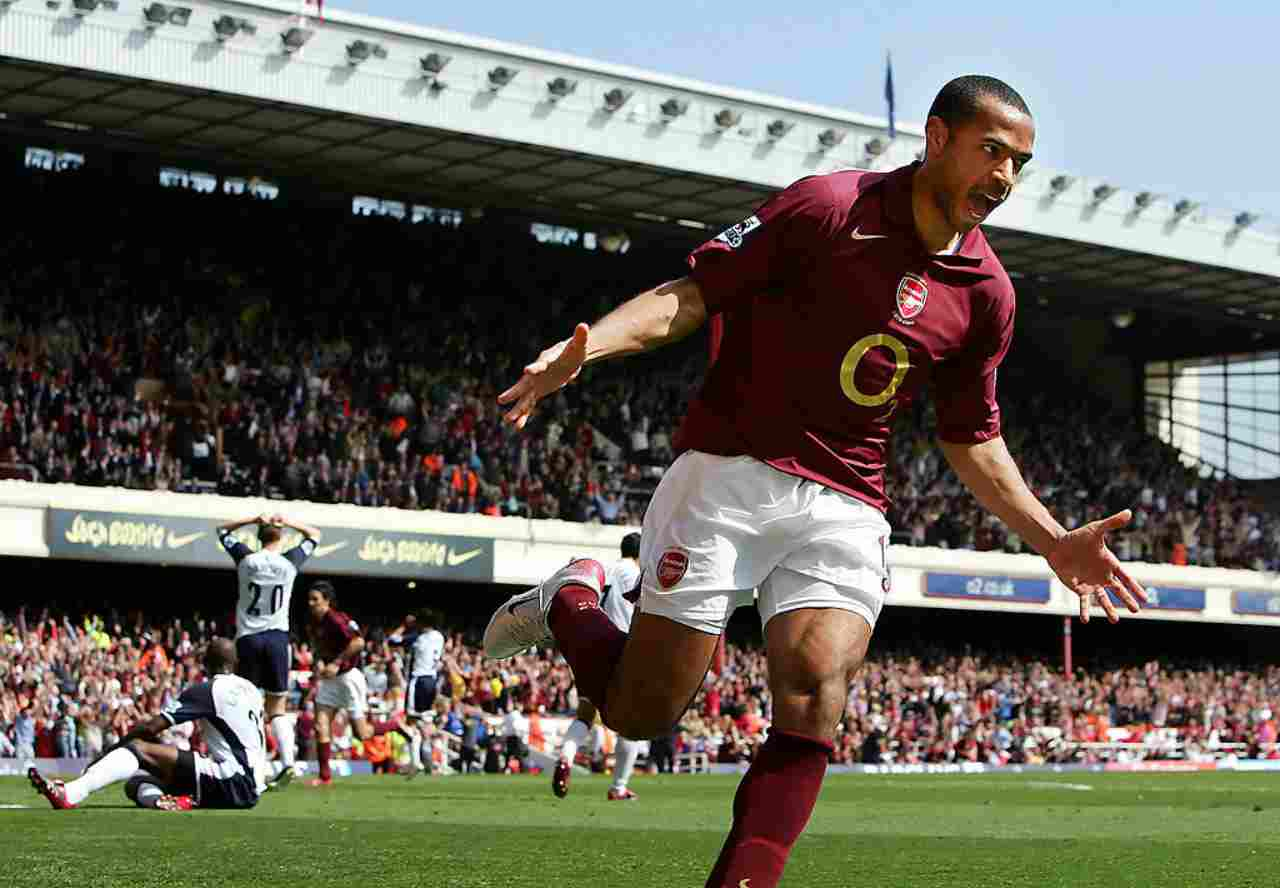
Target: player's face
317 604
979 161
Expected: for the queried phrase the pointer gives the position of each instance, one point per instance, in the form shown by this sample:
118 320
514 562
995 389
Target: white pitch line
1053 784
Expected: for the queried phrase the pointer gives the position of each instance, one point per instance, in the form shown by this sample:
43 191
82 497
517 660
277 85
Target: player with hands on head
840 300
265 579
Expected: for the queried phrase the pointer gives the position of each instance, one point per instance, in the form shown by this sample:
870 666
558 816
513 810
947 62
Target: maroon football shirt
331 635
834 315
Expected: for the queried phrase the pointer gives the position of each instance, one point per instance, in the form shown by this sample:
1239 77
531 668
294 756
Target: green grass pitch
989 831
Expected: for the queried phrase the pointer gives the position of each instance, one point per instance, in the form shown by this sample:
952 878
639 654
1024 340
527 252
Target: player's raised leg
813 655
641 682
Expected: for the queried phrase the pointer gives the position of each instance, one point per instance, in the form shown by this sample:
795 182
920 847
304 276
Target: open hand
1088 568
555 368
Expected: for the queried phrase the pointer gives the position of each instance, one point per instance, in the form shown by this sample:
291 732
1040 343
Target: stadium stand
244 310
70 686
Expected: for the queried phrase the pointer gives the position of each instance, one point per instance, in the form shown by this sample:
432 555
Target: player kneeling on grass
230 776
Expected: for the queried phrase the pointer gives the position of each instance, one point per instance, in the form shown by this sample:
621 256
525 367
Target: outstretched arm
657 317
1079 557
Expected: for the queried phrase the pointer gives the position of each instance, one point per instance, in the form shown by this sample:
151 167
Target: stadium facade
408 120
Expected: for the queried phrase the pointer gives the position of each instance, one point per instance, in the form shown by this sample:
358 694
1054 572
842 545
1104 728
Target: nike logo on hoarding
858 235
177 542
454 558
322 551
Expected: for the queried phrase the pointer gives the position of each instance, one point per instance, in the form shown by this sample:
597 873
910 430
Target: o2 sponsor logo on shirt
733 236
671 567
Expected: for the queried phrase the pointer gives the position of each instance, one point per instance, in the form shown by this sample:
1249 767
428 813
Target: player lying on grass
230 776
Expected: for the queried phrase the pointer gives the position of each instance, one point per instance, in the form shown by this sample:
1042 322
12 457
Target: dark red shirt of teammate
834 318
330 636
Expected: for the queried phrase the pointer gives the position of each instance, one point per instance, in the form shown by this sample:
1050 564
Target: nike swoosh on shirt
177 542
858 235
454 558
322 551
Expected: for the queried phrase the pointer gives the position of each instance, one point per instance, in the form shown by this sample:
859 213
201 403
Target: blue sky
1163 96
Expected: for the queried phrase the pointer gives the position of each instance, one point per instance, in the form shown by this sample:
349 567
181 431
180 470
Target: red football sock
587 638
770 811
322 753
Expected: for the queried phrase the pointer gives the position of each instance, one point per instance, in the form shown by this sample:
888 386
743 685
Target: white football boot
521 622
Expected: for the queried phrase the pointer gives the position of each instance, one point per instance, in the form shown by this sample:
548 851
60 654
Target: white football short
719 527
348 691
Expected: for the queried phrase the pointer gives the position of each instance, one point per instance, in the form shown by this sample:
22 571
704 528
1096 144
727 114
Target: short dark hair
631 545
220 656
961 99
326 590
268 534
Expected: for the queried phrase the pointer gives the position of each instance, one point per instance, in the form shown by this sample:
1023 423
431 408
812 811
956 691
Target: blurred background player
340 684
621 589
425 646
262 618
229 709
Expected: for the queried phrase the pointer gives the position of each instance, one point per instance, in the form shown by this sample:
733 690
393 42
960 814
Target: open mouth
981 204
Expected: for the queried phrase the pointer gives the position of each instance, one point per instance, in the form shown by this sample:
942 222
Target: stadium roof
351 101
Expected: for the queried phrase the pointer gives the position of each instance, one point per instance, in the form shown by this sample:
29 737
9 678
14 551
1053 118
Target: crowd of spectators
70 687
322 356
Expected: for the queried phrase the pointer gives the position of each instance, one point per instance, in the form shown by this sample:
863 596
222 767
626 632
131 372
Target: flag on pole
888 92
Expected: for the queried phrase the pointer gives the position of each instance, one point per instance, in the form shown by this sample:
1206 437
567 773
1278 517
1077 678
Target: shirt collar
896 203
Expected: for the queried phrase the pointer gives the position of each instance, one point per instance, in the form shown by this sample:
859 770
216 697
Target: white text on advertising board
988 587
429 553
116 534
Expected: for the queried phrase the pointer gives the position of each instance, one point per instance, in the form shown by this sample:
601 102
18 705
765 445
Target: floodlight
84 7
501 76
363 50
778 128
1142 200
1244 220
830 138
727 118
433 63
616 98
1183 208
295 38
876 147
673 108
158 14
1102 192
1060 183
561 87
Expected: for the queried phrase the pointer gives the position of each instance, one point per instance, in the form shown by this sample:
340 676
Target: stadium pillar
1066 646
